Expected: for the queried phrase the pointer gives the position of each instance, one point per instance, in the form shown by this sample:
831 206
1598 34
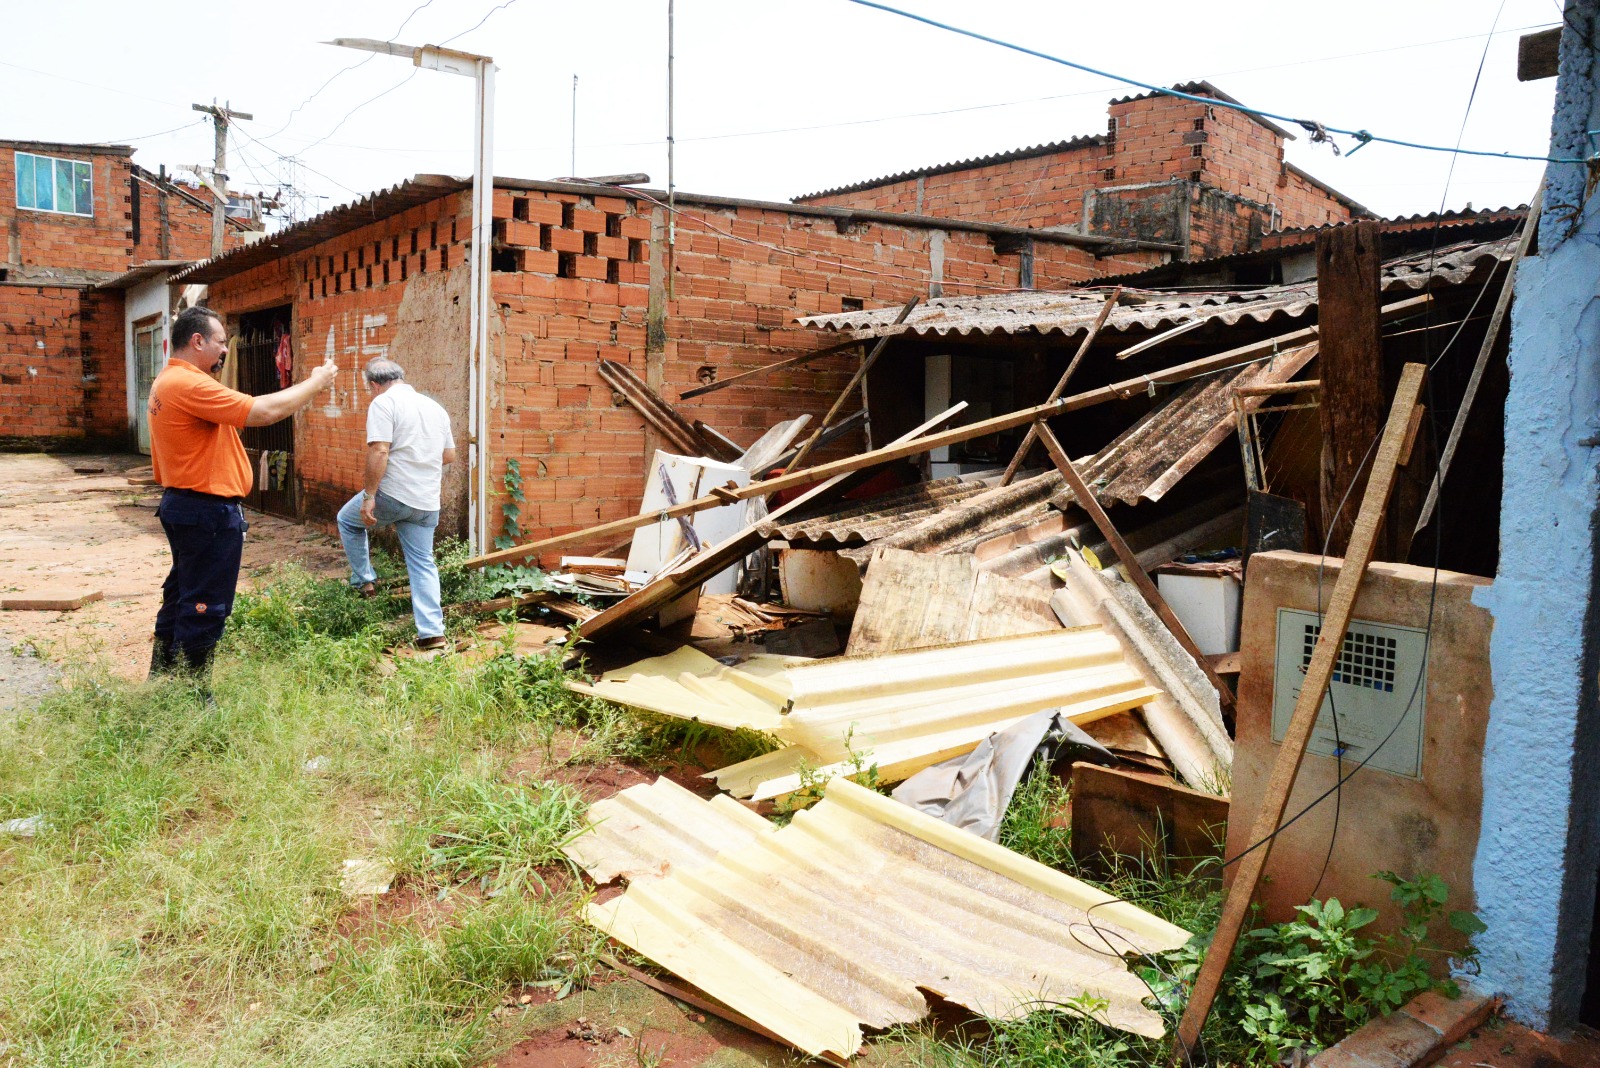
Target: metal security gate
262 336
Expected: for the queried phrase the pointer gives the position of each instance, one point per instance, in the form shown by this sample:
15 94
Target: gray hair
381 371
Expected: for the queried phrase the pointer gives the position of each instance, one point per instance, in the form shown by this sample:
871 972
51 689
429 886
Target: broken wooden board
911 600
1137 814
49 600
843 918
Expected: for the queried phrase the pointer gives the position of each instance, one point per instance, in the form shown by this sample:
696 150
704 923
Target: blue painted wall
1536 863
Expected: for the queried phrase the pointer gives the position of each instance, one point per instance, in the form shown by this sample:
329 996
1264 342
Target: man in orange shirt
197 456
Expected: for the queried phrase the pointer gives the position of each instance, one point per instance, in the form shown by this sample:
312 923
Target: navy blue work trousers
206 534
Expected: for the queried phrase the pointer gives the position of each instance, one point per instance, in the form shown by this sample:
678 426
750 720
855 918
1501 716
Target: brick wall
397 288
741 275
42 239
1241 186
188 226
1034 190
105 369
572 285
61 371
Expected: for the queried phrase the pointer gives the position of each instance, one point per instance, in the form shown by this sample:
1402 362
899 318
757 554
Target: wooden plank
1140 814
1349 278
1502 304
1272 389
1061 384
745 376
1539 56
855 380
1165 335
662 416
672 584
1130 561
902 449
1286 766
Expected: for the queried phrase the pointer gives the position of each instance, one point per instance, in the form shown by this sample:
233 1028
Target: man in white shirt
408 444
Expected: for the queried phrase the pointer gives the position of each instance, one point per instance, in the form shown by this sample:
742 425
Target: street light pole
481 69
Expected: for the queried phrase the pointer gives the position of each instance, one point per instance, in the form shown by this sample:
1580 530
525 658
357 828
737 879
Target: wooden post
859 377
1341 604
1061 386
1136 573
1349 268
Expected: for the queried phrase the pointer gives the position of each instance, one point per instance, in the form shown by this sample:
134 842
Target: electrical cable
148 136
289 120
1319 131
480 22
370 100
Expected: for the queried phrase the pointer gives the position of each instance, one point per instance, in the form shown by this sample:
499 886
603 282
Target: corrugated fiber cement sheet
841 919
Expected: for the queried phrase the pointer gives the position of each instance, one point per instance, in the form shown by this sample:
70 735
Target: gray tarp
974 790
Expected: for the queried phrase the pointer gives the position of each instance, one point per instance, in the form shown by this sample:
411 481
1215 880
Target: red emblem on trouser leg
200 608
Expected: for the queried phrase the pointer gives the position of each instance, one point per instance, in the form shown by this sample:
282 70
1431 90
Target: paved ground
60 528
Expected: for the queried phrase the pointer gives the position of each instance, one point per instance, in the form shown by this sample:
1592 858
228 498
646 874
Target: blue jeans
415 529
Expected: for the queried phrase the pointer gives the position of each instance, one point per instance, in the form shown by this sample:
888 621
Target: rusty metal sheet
841 920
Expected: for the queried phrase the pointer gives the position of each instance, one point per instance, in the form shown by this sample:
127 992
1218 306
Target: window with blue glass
45 183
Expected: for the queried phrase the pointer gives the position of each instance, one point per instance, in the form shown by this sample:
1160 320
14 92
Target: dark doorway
266 365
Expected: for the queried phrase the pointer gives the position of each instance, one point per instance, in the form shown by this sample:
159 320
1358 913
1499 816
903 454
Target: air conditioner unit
1379 686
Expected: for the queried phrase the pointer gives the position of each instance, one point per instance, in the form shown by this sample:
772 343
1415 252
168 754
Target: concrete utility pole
219 171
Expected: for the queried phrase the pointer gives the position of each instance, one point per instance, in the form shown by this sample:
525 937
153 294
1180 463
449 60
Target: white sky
774 99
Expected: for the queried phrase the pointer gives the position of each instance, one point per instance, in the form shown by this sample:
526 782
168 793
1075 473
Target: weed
498 831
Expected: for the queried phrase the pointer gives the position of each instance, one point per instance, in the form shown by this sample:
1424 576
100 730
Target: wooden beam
1086 500
1061 384
1128 387
1286 766
745 376
661 415
856 379
1165 335
1272 389
1539 56
1502 304
1349 277
670 585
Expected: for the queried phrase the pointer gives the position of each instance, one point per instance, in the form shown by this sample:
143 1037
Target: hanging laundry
283 359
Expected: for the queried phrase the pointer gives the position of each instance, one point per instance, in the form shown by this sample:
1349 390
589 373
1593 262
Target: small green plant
1306 983
501 832
814 780
511 534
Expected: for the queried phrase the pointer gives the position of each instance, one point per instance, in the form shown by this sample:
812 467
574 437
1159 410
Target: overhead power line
1318 130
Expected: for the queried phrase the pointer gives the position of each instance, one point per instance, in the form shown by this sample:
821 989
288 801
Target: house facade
74 219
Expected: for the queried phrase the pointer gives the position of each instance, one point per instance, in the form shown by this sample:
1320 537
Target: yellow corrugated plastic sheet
902 712
650 831
839 920
688 684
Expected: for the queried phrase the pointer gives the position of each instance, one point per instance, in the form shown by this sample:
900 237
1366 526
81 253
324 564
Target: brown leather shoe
438 641
368 590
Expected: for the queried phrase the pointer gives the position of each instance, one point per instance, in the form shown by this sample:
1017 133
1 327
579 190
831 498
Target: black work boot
163 659
197 664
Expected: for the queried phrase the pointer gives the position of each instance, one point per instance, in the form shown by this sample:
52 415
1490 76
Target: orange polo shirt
194 437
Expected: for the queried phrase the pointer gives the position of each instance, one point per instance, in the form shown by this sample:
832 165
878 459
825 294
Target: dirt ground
62 529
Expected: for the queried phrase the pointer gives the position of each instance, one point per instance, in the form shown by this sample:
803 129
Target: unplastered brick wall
105 378
575 284
59 241
1034 189
355 297
42 368
1242 185
188 225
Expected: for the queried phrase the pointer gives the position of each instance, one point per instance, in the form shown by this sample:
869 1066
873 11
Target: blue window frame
45 183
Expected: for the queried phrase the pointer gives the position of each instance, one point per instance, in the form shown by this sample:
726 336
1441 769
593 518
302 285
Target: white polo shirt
417 429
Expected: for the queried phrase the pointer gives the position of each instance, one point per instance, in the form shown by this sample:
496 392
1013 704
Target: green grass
183 905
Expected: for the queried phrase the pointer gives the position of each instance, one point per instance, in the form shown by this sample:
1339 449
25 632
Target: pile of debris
946 634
